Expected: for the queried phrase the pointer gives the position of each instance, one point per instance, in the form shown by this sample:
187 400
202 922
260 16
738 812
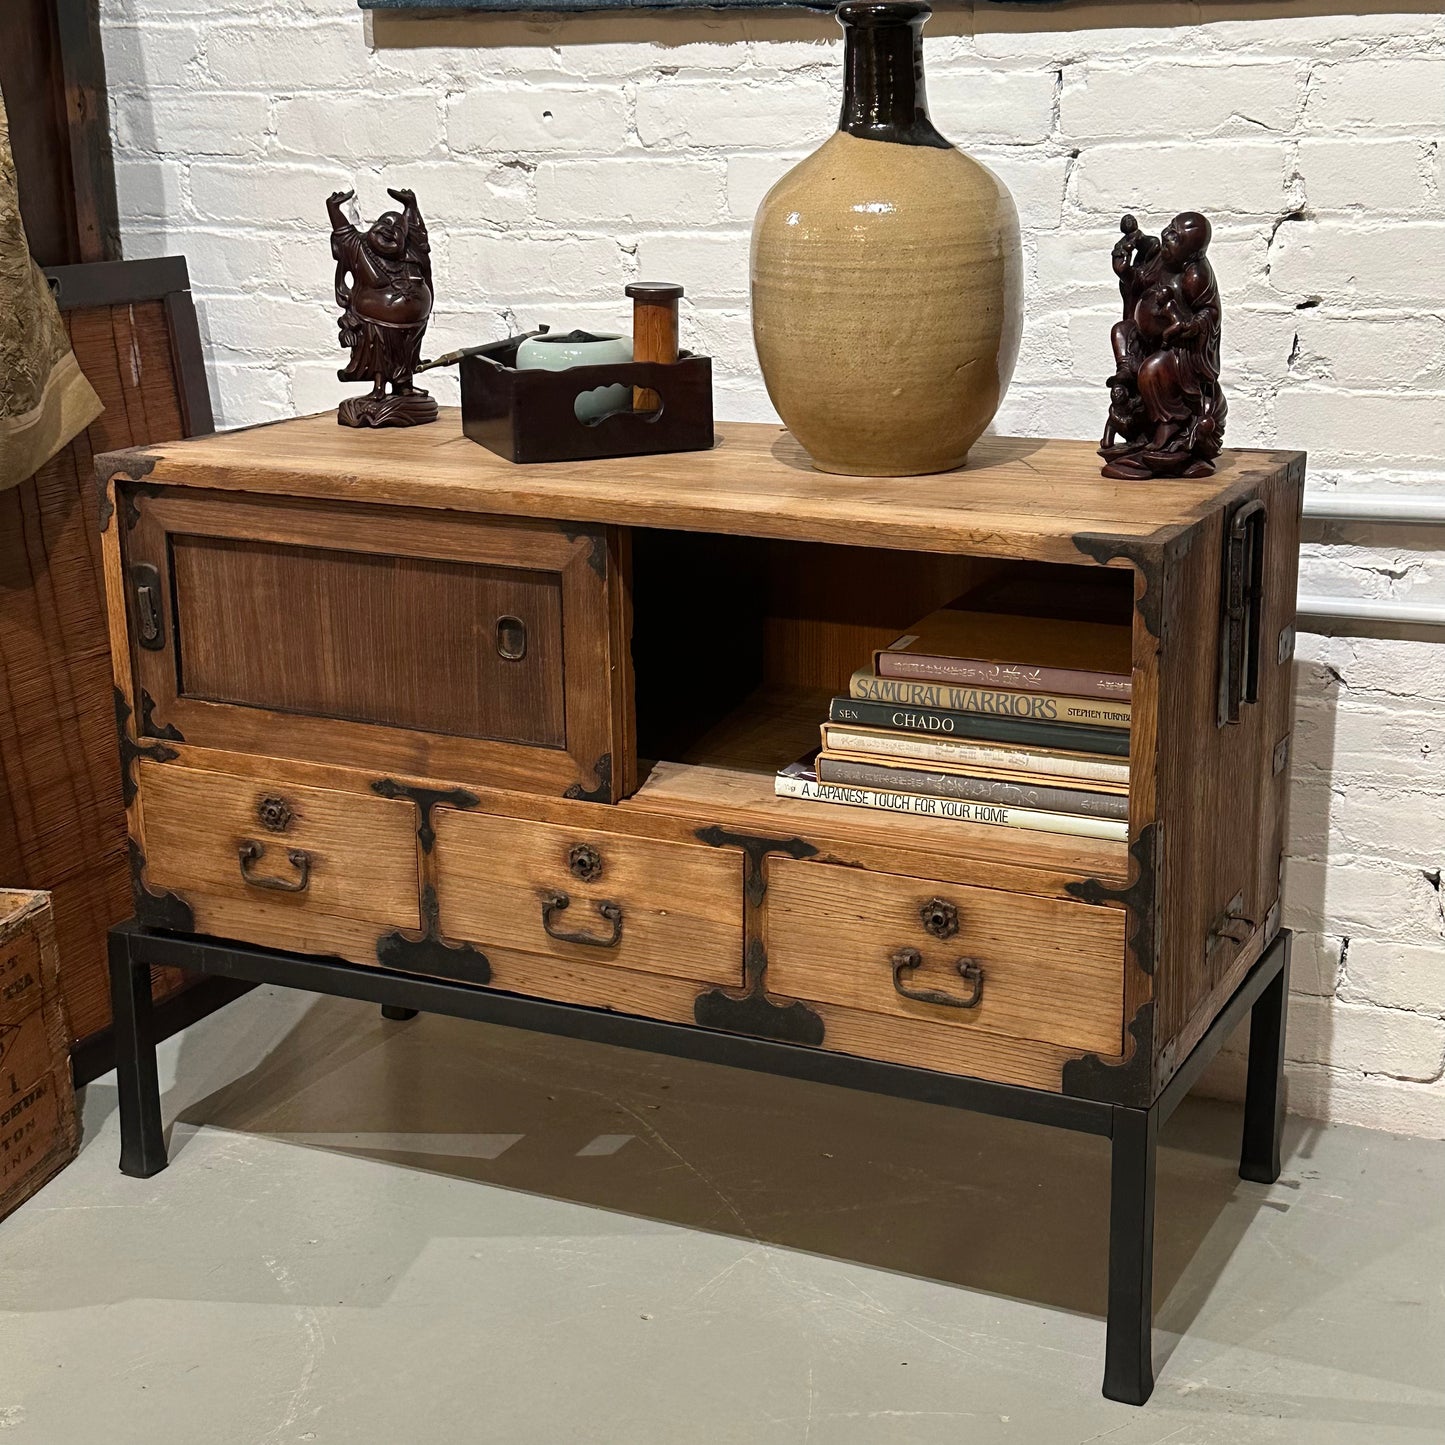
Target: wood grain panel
1219 790
1017 497
349 634
362 849
403 641
1051 971
62 825
39 1132
682 904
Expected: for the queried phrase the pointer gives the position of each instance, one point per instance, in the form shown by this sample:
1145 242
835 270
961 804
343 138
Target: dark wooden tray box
528 416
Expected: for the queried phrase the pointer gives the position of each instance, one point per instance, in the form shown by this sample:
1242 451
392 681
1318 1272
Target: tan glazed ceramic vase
886 272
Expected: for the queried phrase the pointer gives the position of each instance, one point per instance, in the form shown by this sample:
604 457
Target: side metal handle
251 852
1242 617
146 580
554 903
969 970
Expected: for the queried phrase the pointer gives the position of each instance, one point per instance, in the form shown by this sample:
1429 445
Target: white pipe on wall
1400 509
1368 507
1369 609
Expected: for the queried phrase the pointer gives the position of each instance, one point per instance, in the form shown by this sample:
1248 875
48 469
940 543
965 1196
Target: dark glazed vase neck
883 91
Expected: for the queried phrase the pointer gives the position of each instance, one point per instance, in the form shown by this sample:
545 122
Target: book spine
974 790
978 673
993 702
1112 742
959 753
952 810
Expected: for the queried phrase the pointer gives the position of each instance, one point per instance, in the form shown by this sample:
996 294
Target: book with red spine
1020 654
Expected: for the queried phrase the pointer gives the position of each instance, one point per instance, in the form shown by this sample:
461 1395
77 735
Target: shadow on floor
987 1204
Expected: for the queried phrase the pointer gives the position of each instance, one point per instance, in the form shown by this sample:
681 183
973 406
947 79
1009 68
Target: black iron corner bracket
130 749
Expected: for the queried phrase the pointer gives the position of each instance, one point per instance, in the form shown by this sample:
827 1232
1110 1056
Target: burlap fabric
44 399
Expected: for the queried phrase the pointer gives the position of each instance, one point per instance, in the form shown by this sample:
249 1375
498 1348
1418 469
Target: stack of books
986 718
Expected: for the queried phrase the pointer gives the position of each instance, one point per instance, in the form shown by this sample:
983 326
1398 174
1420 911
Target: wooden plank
39 1131
359 849
1050 971
681 905
1017 497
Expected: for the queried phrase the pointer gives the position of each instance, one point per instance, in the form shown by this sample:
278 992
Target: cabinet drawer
588 897
273 858
419 642
1042 969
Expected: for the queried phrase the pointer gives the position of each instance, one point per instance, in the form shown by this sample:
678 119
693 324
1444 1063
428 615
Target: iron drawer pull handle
251 852
553 903
969 970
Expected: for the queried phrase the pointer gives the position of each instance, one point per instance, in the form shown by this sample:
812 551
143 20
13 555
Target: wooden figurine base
414 408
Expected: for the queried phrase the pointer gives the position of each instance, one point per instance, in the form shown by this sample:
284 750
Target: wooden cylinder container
654 331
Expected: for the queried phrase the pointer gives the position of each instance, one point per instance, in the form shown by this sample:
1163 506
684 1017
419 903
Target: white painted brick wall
557 158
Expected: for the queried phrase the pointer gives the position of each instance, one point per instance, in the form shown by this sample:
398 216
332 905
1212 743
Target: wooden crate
39 1133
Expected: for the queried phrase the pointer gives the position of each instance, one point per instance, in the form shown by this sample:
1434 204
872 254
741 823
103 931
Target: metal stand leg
142 1142
1128 1357
1264 1087
397 1014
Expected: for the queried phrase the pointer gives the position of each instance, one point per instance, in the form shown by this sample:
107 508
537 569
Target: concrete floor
443 1232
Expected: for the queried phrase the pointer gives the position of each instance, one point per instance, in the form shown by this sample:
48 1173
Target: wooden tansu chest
38 1130
388 698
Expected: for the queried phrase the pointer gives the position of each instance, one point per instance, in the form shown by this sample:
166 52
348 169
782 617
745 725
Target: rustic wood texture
1099 966
61 822
39 1131
1223 801
1018 498
1051 971
52 71
357 635
681 904
361 849
727 776
366 639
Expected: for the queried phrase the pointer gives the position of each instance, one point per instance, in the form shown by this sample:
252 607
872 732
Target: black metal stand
1133 1133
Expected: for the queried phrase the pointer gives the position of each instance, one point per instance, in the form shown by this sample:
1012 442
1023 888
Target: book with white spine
798 780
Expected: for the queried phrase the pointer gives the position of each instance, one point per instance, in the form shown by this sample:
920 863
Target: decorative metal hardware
1231 924
511 638
1243 613
274 814
249 851
554 903
754 1010
602 793
969 970
426 799
584 862
154 907
427 951
1284 645
131 750
146 581
150 728
1281 755
939 917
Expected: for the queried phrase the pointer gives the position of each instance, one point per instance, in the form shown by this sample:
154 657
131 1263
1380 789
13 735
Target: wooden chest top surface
1017 497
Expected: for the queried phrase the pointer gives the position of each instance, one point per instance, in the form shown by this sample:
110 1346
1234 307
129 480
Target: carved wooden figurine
1166 407
384 290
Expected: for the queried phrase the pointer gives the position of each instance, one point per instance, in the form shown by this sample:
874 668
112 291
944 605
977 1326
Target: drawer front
1033 968
270 859
590 898
415 642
